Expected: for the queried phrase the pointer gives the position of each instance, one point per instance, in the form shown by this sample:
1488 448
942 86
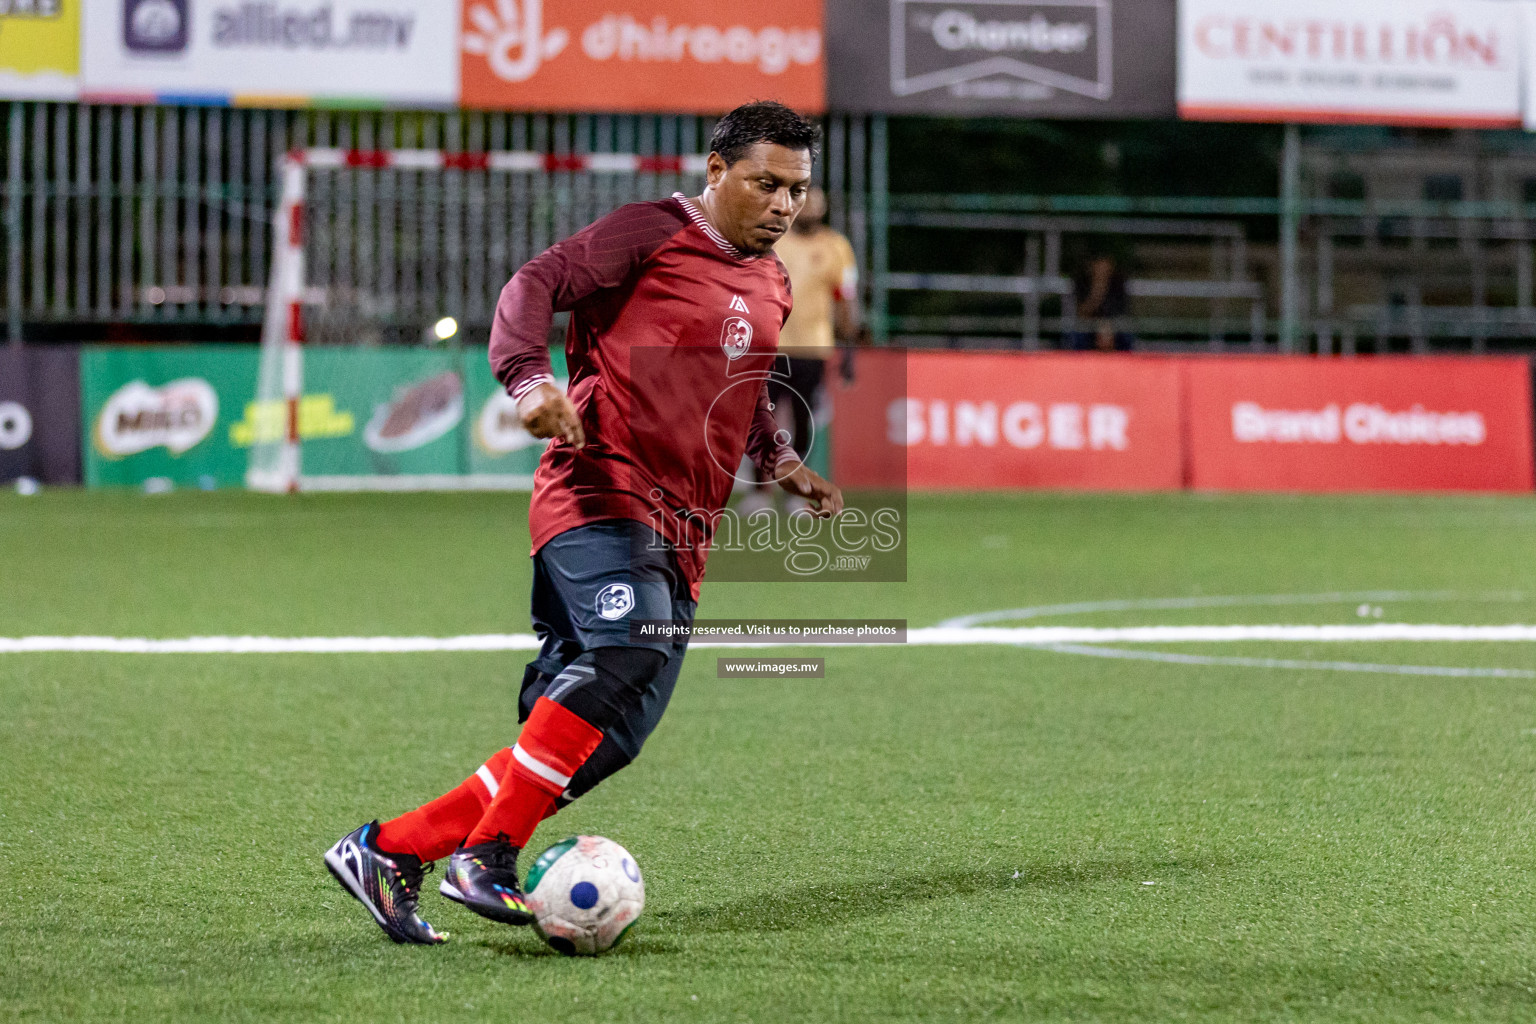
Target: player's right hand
546 412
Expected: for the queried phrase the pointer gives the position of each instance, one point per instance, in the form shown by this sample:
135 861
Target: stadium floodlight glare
276 462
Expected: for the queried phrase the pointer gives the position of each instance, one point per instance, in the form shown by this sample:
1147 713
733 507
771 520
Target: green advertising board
497 444
164 413
402 412
189 415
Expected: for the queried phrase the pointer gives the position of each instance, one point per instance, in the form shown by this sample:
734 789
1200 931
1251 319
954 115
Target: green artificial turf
935 833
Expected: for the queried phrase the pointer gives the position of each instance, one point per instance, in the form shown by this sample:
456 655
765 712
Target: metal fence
162 215
154 216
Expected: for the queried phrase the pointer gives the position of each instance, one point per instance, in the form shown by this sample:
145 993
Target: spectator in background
824 282
1099 290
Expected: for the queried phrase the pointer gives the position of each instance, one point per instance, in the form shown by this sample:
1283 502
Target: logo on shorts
736 337
615 600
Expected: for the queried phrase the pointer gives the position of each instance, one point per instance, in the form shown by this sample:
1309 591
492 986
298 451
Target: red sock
434 830
553 744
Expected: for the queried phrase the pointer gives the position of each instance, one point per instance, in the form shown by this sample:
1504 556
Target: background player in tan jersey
824 277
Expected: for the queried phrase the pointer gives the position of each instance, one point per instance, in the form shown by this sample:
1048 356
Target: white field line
270 644
1142 604
1365 633
1170 658
1038 636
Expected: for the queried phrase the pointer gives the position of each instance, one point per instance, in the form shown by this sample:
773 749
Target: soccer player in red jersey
676 307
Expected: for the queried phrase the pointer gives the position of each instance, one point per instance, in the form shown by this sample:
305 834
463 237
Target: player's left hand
826 498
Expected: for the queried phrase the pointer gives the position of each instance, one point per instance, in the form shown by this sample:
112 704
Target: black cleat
388 884
483 877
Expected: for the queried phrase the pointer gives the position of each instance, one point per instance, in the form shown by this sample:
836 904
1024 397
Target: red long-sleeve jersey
672 337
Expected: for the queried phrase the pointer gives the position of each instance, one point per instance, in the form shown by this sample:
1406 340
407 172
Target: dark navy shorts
589 583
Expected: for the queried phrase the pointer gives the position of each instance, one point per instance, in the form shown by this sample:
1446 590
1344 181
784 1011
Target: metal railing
1045 222
162 215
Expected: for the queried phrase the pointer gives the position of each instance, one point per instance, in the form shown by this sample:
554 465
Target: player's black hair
763 121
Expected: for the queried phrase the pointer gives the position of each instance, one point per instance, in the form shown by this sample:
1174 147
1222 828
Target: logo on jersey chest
736 336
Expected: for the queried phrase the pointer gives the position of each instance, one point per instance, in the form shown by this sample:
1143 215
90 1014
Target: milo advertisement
188 416
164 414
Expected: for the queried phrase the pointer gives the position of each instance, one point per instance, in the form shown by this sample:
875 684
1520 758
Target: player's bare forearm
845 320
825 496
546 412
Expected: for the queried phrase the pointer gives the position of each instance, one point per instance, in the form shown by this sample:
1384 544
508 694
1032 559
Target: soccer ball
585 893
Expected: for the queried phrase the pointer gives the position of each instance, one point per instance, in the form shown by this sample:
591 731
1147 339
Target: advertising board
40 413
40 49
271 53
679 56
987 421
1408 62
188 416
1017 58
1400 424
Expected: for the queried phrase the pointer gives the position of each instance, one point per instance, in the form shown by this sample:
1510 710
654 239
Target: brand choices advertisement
1397 424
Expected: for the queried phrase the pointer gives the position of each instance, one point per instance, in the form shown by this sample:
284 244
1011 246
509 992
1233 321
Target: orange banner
1398 424
678 56
987 421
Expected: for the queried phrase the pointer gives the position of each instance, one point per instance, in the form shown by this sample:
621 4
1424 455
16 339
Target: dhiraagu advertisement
40 49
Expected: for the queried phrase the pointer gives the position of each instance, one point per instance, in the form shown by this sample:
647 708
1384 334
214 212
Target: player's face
759 195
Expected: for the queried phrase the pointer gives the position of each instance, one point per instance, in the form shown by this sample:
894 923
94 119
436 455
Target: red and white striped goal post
283 323
509 160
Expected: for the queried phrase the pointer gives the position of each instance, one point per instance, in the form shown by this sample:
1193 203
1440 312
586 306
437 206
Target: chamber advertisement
1019 58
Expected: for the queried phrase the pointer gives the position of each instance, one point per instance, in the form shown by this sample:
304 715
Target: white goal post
295 304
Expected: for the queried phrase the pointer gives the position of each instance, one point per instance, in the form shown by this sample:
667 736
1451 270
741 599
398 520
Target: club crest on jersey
735 337
615 600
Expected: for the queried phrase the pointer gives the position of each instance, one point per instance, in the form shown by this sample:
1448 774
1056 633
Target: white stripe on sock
539 768
483 773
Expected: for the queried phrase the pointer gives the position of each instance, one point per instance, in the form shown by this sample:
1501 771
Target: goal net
386 266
